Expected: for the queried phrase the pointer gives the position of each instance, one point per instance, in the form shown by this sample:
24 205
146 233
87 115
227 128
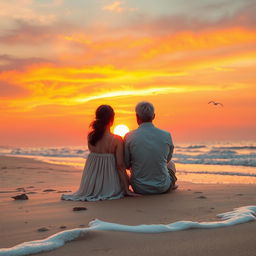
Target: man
148 150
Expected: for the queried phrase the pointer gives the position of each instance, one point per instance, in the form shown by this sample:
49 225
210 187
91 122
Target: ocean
198 163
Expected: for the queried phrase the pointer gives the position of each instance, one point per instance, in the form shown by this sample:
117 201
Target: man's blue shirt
147 152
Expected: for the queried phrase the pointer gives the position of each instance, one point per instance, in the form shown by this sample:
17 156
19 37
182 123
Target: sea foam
237 216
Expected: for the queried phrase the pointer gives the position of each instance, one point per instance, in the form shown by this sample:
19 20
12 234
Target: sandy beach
44 183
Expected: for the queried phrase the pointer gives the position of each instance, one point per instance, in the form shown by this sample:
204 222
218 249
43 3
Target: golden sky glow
57 64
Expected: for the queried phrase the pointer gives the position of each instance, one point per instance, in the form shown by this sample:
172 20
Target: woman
104 176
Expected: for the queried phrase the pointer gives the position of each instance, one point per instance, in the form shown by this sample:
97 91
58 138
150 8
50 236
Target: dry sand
20 220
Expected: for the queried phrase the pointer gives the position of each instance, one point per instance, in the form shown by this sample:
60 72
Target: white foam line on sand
237 216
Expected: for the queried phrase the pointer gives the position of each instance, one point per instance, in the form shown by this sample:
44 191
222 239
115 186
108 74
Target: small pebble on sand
49 190
20 197
201 197
79 209
43 229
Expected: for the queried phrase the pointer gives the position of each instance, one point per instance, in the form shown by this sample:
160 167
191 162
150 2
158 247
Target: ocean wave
237 216
236 147
218 173
218 147
234 162
243 155
50 152
192 146
222 152
216 157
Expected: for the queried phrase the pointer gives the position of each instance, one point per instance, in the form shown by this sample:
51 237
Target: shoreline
20 220
192 173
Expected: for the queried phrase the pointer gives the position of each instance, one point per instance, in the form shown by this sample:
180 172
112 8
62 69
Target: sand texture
44 214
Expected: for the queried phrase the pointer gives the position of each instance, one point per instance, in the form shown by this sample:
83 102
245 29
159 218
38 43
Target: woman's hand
130 193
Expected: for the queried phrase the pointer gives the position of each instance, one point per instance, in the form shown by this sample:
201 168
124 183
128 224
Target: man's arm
171 148
127 158
121 167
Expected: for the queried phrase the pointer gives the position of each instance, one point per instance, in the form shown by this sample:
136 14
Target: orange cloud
12 91
183 49
141 63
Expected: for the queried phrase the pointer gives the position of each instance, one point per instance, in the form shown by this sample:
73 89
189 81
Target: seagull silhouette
215 103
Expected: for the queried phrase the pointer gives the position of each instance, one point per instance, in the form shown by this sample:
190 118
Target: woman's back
100 180
106 145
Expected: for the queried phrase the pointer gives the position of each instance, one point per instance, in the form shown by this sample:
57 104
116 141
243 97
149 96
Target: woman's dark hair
103 116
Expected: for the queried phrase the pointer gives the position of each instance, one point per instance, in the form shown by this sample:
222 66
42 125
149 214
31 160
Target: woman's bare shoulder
117 138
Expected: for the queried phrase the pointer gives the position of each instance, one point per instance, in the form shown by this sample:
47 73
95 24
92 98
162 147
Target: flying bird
215 103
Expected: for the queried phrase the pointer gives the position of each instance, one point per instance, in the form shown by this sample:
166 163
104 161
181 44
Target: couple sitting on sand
146 151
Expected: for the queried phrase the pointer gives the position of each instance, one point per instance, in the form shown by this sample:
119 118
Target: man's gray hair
145 110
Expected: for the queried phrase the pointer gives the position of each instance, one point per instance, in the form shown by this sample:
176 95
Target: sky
61 59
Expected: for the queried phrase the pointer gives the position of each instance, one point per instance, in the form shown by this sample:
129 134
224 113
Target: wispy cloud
12 91
136 92
9 62
25 11
27 33
117 6
145 92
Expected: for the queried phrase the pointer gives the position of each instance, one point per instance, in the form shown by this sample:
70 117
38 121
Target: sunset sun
121 130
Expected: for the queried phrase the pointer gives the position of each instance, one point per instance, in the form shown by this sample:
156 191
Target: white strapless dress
100 180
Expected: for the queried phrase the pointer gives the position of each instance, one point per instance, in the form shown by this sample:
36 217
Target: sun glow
121 130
